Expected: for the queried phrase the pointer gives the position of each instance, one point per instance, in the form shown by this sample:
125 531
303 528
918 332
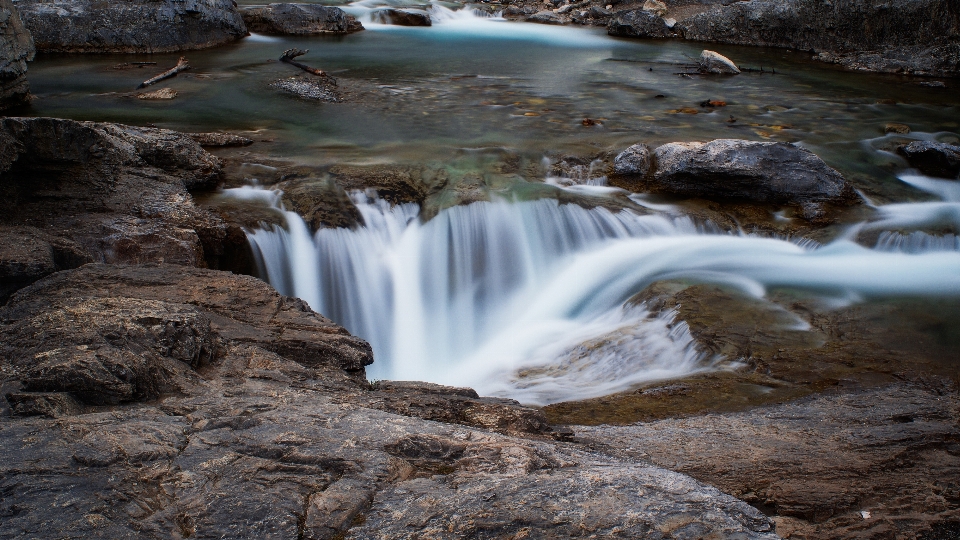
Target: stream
524 297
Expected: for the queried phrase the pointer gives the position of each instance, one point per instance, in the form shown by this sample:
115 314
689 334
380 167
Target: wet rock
161 94
712 62
638 23
310 87
456 406
219 140
933 158
16 49
545 17
894 127
105 192
395 183
49 404
299 19
320 202
920 37
655 6
401 17
131 26
756 171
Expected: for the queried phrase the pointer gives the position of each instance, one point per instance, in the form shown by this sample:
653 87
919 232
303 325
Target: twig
289 55
182 65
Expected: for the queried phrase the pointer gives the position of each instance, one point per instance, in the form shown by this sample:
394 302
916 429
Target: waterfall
527 299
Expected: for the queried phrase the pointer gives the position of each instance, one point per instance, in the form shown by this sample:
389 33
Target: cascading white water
526 299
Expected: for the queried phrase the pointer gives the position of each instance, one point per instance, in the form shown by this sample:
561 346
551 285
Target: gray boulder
16 49
299 19
912 36
545 17
933 158
639 23
401 17
761 172
765 172
130 26
635 161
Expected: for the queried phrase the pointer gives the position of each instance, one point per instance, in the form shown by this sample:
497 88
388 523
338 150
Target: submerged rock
716 63
299 19
639 23
130 26
933 158
161 94
396 183
401 17
219 140
16 49
310 87
919 36
761 172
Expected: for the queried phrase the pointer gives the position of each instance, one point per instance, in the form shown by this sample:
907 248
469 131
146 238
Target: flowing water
529 298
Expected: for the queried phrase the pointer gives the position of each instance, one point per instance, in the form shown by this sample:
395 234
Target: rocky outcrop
16 49
760 172
917 36
401 17
320 202
219 140
81 191
131 26
717 64
933 158
263 428
397 184
639 23
299 19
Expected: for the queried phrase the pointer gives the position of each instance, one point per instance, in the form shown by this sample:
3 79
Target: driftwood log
182 65
289 55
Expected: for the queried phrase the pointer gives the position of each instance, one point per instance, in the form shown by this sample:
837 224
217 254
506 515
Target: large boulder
299 19
639 23
131 26
759 172
912 36
717 64
16 49
401 17
933 158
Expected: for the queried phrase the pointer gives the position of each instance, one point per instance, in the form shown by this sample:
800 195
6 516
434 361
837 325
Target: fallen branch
289 55
182 65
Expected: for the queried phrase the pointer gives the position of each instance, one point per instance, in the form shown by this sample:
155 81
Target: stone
760 172
310 87
397 184
401 17
28 254
545 17
894 127
299 19
638 23
716 63
219 140
920 37
131 26
636 160
320 202
933 158
655 6
161 94
16 49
